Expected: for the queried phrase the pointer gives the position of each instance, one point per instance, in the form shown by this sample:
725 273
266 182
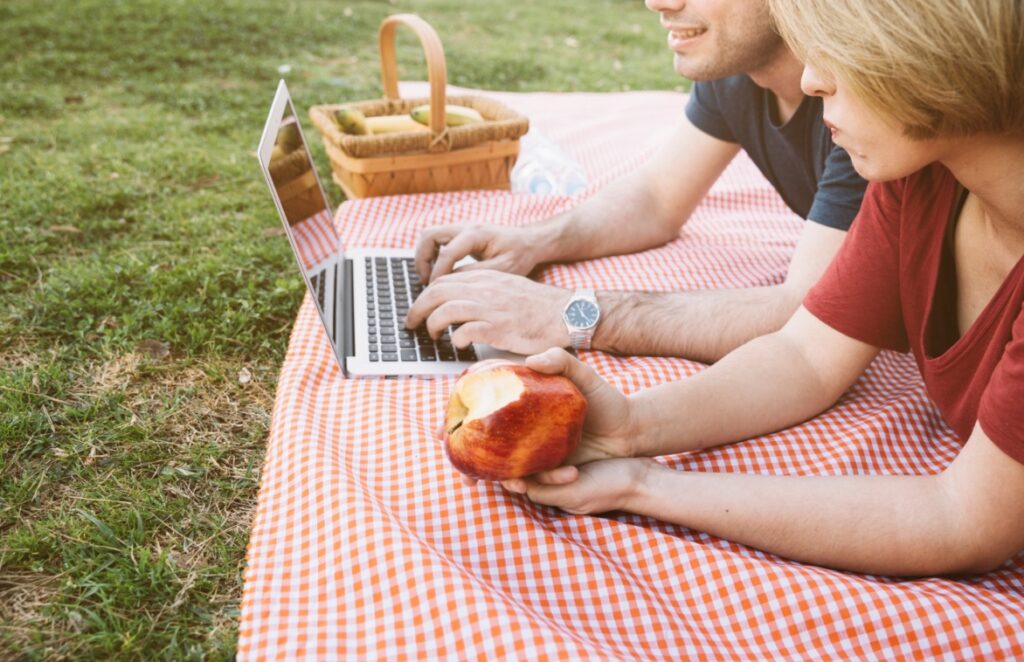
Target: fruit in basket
505 420
392 124
350 121
277 153
453 115
288 137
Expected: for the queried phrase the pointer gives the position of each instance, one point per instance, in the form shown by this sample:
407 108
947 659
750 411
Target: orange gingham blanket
366 545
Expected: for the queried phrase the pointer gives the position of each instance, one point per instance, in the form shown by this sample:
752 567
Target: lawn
147 295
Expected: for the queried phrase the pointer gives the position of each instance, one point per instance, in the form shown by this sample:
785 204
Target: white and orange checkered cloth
366 545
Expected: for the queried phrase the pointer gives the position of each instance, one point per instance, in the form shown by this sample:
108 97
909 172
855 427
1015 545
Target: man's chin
696 69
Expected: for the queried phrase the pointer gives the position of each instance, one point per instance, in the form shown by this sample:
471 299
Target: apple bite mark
508 421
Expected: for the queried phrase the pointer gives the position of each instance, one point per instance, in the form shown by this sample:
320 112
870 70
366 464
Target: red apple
505 420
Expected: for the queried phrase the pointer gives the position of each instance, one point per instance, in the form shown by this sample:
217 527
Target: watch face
582 314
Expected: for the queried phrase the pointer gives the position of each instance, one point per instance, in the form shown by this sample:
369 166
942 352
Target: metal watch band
580 339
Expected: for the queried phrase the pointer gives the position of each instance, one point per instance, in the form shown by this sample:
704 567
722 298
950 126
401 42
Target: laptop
362 295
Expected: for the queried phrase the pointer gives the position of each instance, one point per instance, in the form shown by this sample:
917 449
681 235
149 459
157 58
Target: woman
927 96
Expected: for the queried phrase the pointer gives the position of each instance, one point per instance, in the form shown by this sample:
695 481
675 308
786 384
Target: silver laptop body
362 295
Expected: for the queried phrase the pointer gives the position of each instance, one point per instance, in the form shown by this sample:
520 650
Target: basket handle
437 72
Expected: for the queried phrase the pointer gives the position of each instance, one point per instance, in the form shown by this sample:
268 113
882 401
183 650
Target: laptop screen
306 213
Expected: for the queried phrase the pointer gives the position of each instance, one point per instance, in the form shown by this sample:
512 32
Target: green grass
140 277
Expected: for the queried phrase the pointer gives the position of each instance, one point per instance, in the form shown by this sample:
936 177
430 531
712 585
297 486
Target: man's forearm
623 218
700 325
893 525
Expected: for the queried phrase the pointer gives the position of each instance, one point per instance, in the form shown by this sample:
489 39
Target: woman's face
878 148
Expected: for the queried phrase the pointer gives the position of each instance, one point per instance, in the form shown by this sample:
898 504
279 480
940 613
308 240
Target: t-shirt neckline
989 313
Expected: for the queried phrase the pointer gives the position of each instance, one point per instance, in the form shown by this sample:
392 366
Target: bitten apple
505 420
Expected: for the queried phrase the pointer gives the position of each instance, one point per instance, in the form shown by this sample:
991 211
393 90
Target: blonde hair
935 67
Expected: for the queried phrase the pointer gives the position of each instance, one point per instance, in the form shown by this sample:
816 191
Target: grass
145 299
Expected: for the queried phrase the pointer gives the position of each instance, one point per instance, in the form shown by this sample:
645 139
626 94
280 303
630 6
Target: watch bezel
581 300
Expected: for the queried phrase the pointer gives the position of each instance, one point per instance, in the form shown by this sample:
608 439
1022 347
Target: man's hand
597 487
501 248
503 310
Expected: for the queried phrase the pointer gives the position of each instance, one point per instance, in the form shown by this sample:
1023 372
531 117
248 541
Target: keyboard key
467 354
446 353
388 347
406 343
389 356
373 356
409 355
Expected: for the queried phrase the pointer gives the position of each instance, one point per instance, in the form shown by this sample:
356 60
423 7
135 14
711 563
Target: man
747 96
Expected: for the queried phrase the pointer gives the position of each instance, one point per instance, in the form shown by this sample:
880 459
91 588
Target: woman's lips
831 127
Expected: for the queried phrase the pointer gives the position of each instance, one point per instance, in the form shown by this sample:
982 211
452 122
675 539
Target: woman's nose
813 84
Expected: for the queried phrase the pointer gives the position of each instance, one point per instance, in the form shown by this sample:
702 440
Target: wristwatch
580 316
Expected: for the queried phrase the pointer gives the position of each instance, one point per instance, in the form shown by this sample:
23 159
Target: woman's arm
768 384
969 518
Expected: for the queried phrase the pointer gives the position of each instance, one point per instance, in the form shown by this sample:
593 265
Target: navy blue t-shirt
812 174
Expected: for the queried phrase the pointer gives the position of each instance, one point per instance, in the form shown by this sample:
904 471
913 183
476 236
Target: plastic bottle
543 168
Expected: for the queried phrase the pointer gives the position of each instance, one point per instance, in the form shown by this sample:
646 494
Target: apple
505 420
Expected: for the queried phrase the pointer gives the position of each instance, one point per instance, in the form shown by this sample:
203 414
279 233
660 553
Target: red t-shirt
893 285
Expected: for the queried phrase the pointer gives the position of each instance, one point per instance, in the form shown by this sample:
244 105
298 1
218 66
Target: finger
515 485
557 361
559 476
459 247
471 332
429 299
473 266
505 263
452 312
426 247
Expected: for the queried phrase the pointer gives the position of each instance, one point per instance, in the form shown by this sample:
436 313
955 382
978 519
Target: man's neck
990 167
781 77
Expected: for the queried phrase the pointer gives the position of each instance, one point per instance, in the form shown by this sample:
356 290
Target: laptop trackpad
484 352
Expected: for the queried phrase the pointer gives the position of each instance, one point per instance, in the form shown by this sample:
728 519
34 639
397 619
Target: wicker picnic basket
472 156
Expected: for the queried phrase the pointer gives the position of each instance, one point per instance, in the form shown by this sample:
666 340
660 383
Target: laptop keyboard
391 286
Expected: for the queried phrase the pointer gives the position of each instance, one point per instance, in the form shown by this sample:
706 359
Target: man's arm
640 210
520 315
707 325
645 208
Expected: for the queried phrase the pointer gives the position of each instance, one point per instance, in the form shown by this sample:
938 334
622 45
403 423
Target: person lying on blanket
927 97
747 97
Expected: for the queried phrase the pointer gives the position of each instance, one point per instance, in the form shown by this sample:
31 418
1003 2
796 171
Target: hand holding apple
595 487
610 427
506 420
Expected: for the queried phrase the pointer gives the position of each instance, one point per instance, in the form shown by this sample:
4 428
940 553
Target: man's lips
680 36
684 32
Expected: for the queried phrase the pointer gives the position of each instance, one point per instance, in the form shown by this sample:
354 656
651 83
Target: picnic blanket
366 545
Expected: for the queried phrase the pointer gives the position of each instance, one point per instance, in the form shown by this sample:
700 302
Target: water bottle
543 168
